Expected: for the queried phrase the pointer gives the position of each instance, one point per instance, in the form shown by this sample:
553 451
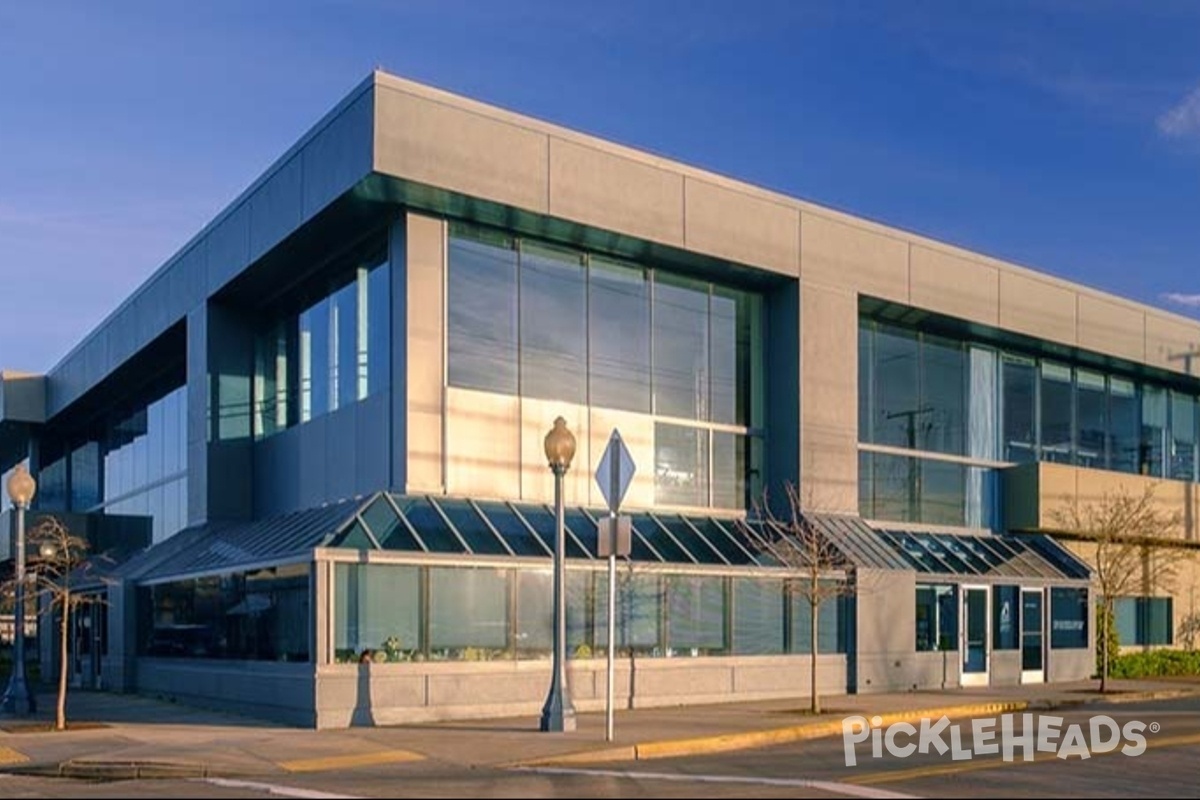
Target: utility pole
914 472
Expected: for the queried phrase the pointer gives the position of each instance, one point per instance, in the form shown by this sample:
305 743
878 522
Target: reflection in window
758 626
553 323
898 415
1154 431
377 608
1020 409
619 344
937 618
1068 617
468 613
696 609
830 634
930 491
1091 418
1124 425
728 470
481 306
681 342
943 396
1056 413
1183 437
680 465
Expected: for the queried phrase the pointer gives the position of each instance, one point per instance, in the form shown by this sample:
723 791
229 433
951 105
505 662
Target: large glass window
898 415
468 613
1091 398
681 347
1154 431
937 618
696 615
260 615
680 465
1006 617
758 618
377 608
1144 620
1124 425
1183 437
1020 409
1068 617
942 426
930 491
619 335
553 302
314 361
830 634
482 310
1057 442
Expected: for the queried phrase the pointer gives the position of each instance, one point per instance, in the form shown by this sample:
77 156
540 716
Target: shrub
1155 664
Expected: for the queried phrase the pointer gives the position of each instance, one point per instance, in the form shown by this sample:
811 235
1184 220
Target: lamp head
21 487
560 445
47 550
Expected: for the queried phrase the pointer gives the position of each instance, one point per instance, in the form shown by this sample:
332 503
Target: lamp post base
18 700
557 718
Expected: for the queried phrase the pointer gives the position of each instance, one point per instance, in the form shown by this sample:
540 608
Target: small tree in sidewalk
60 562
1132 553
792 538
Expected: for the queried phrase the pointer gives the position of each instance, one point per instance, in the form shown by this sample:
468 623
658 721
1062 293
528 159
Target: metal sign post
615 538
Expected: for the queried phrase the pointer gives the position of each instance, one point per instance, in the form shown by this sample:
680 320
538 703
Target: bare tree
792 538
60 560
1128 534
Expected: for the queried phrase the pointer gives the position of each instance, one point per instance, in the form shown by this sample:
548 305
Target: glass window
468 613
343 347
1068 617
829 630
758 626
85 477
1091 416
51 487
1183 437
1056 413
729 470
736 323
553 329
535 613
943 493
482 311
619 345
1154 431
1125 419
937 618
377 607
379 328
941 421
695 615
639 613
898 413
866 387
680 465
314 361
1006 613
1020 409
681 347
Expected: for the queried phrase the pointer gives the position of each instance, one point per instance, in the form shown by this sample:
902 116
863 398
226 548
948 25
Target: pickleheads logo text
1045 734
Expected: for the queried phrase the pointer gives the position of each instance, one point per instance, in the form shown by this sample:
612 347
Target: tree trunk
1108 620
60 722
813 612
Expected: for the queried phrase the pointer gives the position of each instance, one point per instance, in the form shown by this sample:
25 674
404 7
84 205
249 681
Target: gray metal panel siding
339 453
313 482
197 414
328 161
372 437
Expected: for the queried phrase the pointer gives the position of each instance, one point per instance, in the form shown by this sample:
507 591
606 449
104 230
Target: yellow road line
325 763
10 756
894 776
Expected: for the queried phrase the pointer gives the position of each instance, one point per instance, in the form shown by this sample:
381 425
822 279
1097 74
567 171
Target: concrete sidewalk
122 736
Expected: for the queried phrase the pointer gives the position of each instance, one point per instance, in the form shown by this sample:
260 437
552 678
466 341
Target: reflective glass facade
330 352
963 408
402 612
136 467
537 320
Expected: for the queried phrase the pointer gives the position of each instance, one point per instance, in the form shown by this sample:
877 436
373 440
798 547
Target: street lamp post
558 715
17 697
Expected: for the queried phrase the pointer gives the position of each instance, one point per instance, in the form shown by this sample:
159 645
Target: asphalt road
1166 768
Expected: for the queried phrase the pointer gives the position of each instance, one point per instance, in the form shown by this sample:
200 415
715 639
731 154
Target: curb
674 748
120 770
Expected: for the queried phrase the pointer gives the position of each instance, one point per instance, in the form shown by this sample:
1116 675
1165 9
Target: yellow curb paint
345 762
675 748
10 756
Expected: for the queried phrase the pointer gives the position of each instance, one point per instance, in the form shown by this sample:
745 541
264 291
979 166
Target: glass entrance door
1033 644
975 633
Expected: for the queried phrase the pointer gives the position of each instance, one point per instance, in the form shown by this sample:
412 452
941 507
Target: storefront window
937 618
1068 617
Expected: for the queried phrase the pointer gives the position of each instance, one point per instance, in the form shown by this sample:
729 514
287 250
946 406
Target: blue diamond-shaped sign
615 472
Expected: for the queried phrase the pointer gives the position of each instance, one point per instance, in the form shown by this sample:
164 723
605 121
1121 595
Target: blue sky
1062 135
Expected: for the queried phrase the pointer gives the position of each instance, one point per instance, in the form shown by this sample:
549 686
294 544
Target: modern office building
314 436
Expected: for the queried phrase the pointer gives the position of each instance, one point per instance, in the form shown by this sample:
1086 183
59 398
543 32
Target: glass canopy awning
463 526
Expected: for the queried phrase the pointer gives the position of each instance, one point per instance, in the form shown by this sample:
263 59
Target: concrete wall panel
1168 341
1037 308
741 227
829 388
419 279
955 286
616 193
483 444
422 140
837 254
1111 328
537 481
